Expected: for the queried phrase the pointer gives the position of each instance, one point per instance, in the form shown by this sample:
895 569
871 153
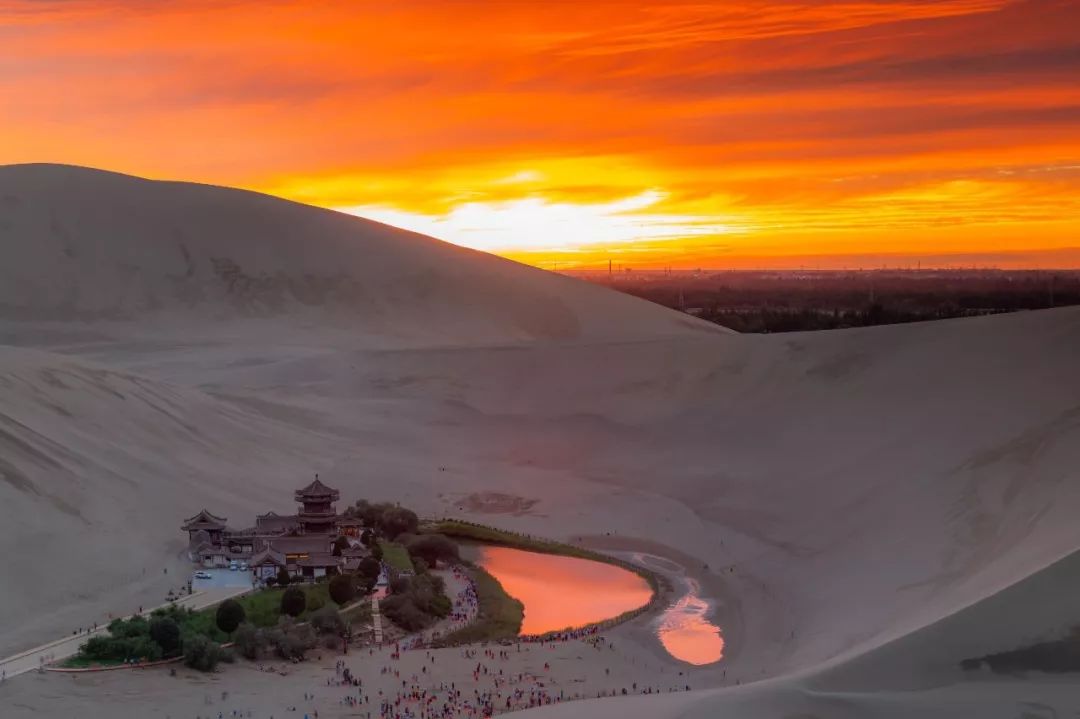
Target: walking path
376 619
68 646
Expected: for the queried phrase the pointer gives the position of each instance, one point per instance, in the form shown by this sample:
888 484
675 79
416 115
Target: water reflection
685 632
561 592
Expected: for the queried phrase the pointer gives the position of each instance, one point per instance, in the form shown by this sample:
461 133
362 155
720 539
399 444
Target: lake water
563 592
685 631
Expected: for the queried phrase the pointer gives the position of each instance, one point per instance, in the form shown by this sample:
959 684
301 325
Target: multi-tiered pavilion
302 543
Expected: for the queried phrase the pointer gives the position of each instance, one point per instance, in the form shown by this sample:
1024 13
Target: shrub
400 609
283 577
328 621
433 548
293 602
247 641
200 653
270 581
230 614
143 649
417 602
289 640
166 633
133 627
340 545
342 589
98 648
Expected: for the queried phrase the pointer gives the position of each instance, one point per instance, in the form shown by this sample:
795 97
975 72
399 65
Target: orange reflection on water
687 635
561 592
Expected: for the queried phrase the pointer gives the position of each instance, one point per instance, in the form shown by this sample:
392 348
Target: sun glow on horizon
530 224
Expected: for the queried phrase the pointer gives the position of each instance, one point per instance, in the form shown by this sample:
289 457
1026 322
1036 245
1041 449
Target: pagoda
317 513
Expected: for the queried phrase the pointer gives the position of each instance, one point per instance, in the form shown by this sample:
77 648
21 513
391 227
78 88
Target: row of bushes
168 633
289 639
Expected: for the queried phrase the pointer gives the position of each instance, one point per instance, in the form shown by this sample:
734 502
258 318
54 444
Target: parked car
233 565
243 566
203 575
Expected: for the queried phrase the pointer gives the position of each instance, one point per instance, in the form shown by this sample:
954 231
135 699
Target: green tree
368 573
433 548
340 545
398 520
166 634
283 577
229 615
293 602
342 589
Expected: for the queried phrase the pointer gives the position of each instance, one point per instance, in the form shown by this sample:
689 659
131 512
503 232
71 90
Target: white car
203 575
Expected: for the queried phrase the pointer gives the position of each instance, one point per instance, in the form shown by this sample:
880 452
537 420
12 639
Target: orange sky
681 133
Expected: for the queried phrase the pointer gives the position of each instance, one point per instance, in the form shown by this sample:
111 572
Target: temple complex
302 544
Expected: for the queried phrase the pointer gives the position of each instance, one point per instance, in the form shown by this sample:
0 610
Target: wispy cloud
750 126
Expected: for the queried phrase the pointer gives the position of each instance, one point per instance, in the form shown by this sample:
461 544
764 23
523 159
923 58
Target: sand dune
875 505
81 244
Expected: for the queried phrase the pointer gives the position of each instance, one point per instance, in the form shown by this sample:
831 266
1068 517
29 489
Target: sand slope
875 504
81 244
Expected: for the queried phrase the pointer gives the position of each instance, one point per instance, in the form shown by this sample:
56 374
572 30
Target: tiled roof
320 559
204 520
317 489
267 556
299 545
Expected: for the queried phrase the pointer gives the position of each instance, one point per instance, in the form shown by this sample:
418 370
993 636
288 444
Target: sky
567 133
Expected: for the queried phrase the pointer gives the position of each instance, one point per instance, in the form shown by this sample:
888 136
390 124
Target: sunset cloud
755 129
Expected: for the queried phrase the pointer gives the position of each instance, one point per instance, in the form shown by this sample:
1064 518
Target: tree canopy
229 615
342 589
166 632
433 548
293 601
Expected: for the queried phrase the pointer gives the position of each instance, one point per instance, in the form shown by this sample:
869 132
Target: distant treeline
798 301
1056 656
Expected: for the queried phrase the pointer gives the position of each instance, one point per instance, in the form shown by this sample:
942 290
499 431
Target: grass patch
263 608
359 613
80 662
397 556
498 617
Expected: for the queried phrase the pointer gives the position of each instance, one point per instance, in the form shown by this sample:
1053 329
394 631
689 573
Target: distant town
810 299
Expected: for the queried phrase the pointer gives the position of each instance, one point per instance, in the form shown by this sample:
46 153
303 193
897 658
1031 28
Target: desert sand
868 507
